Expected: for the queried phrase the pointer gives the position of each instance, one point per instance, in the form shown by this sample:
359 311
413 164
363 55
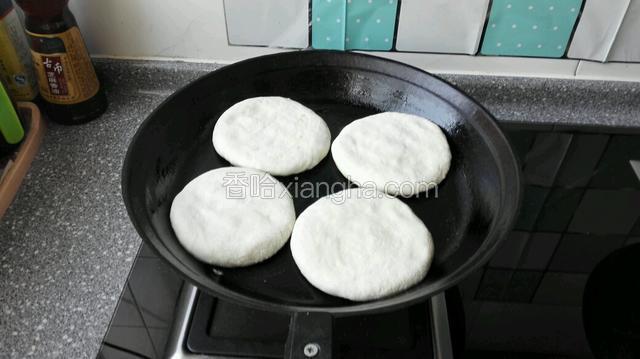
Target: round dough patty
273 134
361 245
233 216
397 153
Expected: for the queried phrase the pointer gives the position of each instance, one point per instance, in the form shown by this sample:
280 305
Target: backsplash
522 28
196 30
581 202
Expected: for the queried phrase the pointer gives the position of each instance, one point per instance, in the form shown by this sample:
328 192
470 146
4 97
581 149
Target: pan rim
510 179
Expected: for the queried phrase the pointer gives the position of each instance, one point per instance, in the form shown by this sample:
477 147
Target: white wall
190 29
194 30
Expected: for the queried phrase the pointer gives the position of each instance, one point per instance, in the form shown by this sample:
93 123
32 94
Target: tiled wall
524 28
196 30
581 202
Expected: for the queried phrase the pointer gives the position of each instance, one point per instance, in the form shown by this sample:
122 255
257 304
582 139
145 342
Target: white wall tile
597 29
442 26
186 29
627 44
276 23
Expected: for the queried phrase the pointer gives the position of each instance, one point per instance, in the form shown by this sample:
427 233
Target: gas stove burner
211 328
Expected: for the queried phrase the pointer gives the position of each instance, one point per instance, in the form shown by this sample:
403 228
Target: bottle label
16 67
65 72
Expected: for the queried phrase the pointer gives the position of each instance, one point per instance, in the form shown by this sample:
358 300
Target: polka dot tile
371 24
328 18
537 28
353 24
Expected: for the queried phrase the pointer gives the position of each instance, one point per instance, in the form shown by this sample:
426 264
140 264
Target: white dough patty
223 217
273 134
360 246
394 152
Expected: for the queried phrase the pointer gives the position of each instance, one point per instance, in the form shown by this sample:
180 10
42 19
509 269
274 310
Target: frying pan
474 209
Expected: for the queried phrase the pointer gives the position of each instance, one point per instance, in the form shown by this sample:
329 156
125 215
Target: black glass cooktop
581 204
220 328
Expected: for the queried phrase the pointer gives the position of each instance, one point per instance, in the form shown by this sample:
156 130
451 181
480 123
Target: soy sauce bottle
66 77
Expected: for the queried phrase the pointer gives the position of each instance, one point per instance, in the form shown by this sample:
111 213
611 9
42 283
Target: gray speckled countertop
556 102
66 243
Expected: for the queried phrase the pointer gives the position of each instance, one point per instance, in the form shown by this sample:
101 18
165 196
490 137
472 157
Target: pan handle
310 336
441 332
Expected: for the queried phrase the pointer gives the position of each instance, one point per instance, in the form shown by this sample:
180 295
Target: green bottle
16 65
11 130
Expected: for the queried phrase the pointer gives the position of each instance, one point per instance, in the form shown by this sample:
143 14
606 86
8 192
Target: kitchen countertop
66 243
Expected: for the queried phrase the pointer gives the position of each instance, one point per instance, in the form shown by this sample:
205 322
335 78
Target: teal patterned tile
353 24
328 18
370 24
537 28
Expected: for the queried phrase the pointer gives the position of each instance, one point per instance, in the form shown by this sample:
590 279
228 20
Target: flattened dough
273 134
360 246
220 221
397 153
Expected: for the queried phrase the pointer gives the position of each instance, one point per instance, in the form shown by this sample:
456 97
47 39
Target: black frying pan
476 203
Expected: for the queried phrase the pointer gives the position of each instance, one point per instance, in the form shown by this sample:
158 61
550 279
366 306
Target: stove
206 327
197 325
580 205
211 328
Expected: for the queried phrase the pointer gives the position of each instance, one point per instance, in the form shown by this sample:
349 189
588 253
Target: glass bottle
16 67
67 79
11 129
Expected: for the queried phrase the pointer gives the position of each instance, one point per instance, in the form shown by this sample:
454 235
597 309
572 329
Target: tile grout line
577 69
